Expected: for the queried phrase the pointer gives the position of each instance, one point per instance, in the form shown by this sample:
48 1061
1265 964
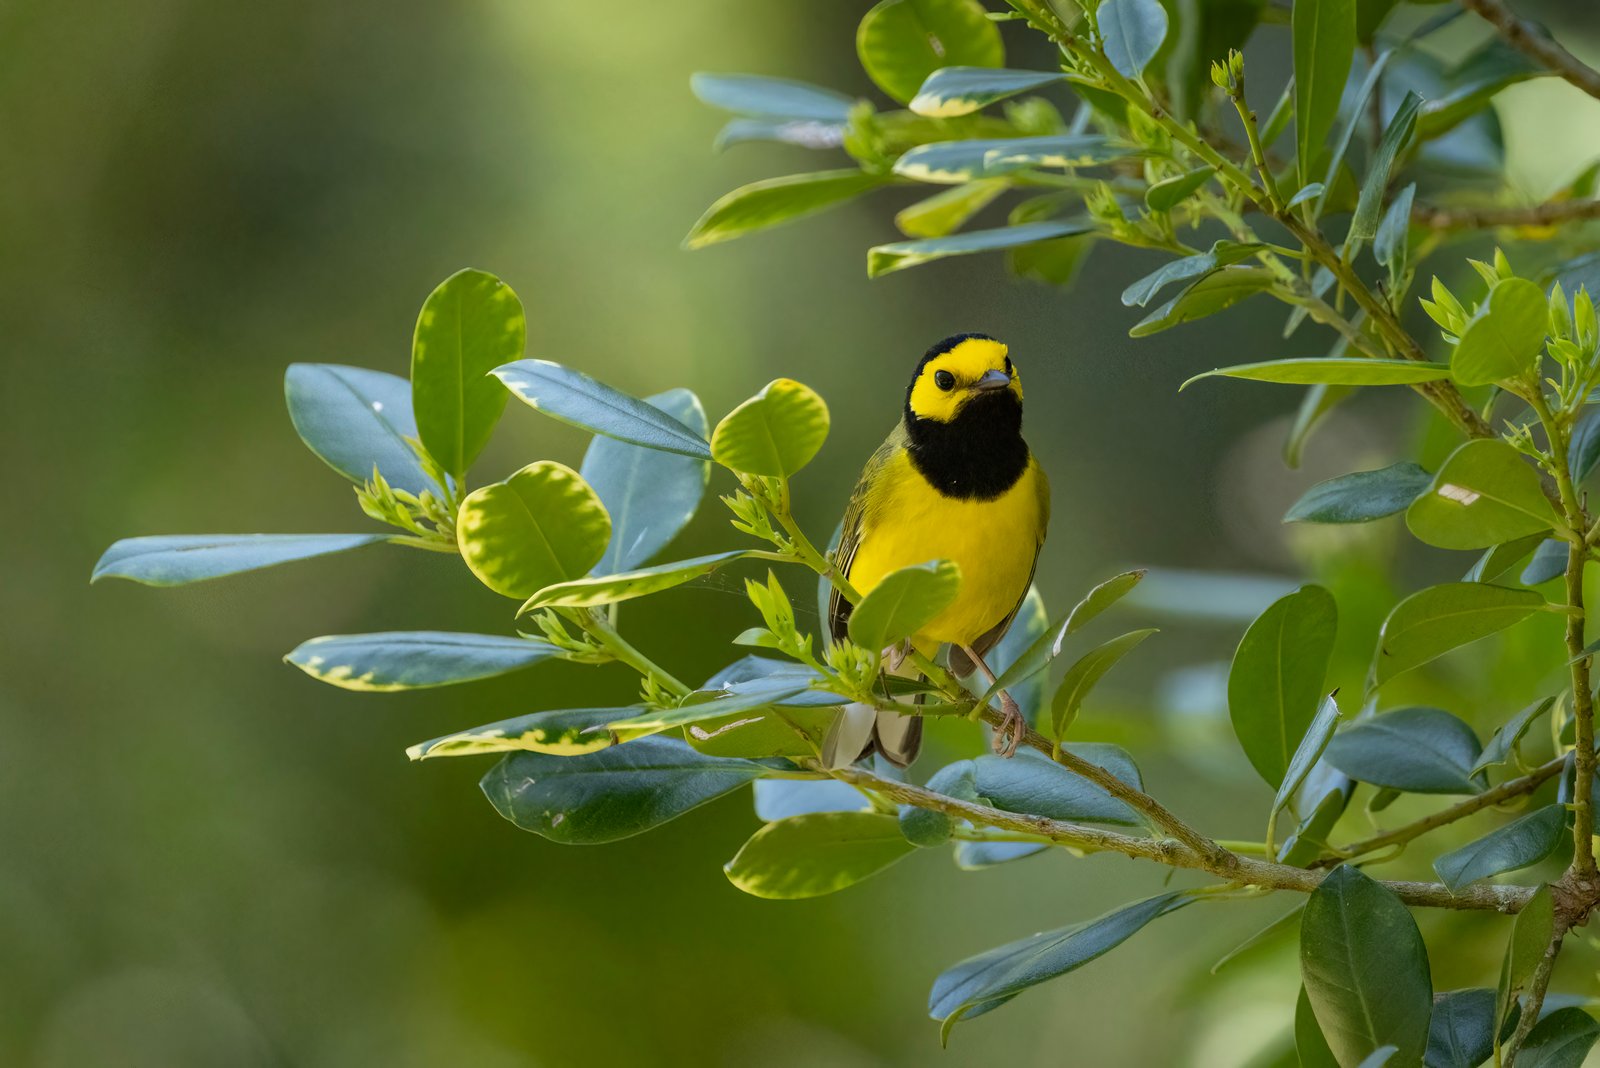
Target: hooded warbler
954 481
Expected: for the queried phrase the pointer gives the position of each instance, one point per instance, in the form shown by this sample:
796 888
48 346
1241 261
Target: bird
953 481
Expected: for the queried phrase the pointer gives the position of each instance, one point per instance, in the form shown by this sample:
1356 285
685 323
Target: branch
1526 38
1507 790
1549 213
1244 871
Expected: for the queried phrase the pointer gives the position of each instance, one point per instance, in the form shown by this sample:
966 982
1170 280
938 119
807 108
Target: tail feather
897 737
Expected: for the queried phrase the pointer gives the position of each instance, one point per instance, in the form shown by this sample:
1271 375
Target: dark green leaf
650 495
177 559
1221 254
612 793
898 255
574 398
777 98
1370 15
952 91
561 733
1168 194
815 854
1035 785
1305 193
1584 450
1560 1040
1417 750
1098 600
355 420
1518 844
926 827
1324 34
984 982
1355 113
468 326
1433 621
1504 338
1132 32
1474 82
1501 558
413 660
1275 683
957 162
772 201
1389 245
1369 206
541 526
975 856
903 603
1082 676
1324 797
707 706
1484 494
778 799
1365 969
1360 497
1311 1048
1308 752
1549 561
1054 263
1505 740
1530 936
1211 293
774 433
1461 1030
1333 370
901 42
594 590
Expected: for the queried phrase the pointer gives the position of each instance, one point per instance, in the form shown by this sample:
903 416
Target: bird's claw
1012 728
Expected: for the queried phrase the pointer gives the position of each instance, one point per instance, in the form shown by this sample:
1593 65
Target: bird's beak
991 381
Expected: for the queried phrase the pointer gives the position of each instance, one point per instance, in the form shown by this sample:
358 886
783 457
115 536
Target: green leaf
562 733
954 162
1389 246
177 559
414 660
650 495
704 707
1504 339
1461 1030
772 201
1055 150
975 856
816 854
948 210
1505 740
1211 293
1311 1048
1549 561
1516 845
1530 936
1484 494
1168 194
904 602
898 255
541 526
1221 254
927 827
1014 655
1324 34
574 398
1584 450
1324 797
793 727
594 590
1417 750
1035 785
1365 969
1431 622
776 98
774 433
778 799
1098 600
1082 676
1496 561
1308 751
952 91
1355 113
1560 1040
354 420
1360 497
468 326
1473 84
1333 371
1369 206
985 982
1369 16
902 42
1132 32
1275 683
613 793
806 133
1317 402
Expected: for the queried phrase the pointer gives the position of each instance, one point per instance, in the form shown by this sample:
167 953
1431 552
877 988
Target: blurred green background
207 858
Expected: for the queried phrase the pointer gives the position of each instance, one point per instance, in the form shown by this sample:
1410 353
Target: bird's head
966 373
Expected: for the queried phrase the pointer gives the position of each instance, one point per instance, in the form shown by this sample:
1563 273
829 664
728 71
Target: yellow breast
906 521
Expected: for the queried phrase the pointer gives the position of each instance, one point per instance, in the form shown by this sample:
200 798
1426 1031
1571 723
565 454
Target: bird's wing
850 532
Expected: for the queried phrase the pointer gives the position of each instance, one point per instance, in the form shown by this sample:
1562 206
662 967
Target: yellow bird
954 481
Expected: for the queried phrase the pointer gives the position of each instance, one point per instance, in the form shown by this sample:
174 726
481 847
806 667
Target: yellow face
949 381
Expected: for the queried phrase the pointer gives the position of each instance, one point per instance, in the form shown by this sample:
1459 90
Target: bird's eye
1008 365
944 380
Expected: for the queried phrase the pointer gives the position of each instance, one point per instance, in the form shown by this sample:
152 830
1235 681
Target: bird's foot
1009 734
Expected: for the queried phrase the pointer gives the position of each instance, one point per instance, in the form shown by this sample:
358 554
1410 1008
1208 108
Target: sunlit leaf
1333 370
1275 684
593 590
1417 750
772 201
413 660
1499 559
1365 969
704 707
903 602
952 91
562 733
574 398
1484 494
1082 676
541 526
1504 338
1431 622
468 326
948 210
1360 497
774 433
901 42
177 559
815 854
778 98
354 420
1324 37
1100 598
612 793
1518 844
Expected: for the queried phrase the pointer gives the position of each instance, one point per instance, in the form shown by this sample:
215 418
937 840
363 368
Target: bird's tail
862 730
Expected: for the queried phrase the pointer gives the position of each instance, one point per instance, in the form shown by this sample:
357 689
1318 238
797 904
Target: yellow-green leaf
902 42
771 201
774 433
541 526
1484 494
816 854
596 590
903 603
1433 621
1504 338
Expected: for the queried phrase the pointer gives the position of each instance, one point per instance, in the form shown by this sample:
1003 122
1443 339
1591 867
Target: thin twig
1546 51
1550 213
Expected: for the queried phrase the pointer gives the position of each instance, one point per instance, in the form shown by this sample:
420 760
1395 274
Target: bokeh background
206 858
